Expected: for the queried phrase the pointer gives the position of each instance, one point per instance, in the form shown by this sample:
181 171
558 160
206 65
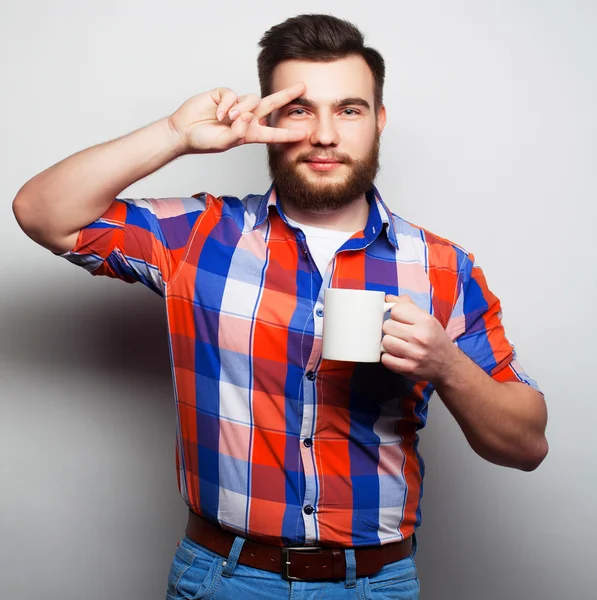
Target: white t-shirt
322 243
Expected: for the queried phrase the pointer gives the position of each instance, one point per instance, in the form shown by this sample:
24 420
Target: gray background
491 142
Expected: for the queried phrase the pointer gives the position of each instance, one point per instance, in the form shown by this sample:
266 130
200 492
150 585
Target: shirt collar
380 218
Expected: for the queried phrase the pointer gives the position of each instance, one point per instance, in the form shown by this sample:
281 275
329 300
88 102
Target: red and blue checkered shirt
273 442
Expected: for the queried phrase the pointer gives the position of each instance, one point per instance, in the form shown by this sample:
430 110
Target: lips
323 164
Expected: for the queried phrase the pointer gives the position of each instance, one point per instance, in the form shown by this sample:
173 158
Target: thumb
241 125
238 130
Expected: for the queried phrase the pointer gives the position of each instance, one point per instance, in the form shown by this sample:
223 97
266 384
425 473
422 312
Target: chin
325 178
326 182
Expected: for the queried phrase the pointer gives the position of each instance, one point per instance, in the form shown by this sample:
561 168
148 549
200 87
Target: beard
295 189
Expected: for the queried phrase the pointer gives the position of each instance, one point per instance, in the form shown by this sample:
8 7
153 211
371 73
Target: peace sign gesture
218 120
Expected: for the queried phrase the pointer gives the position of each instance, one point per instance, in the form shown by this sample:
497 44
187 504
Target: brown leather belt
296 563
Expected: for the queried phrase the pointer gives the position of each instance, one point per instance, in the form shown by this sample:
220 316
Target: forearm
503 422
61 200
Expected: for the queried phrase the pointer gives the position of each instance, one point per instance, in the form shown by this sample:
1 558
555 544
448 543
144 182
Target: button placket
309 394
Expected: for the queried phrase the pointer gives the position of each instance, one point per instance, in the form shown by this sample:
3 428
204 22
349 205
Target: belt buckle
286 562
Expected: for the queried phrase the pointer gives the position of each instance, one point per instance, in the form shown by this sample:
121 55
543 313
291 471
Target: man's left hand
415 343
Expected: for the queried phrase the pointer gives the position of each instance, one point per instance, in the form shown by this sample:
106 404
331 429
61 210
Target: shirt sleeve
139 240
475 326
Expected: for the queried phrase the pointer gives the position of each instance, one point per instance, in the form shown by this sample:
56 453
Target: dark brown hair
318 38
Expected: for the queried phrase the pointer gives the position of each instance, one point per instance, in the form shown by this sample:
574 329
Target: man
301 474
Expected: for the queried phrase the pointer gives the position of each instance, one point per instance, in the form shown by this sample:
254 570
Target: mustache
335 156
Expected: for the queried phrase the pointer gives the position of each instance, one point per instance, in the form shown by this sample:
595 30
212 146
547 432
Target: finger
274 101
407 312
225 99
274 135
404 299
244 104
235 134
404 366
399 355
398 330
239 128
396 346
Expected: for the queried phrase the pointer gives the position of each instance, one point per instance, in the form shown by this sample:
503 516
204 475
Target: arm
504 422
53 206
56 204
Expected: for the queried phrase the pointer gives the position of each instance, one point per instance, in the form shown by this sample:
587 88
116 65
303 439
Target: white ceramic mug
352 322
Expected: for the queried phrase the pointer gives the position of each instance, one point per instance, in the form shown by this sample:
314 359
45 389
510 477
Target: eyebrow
353 101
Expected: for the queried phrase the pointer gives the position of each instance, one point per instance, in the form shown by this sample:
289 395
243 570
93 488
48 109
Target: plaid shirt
273 442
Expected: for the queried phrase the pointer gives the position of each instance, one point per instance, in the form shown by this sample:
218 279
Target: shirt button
319 312
311 375
308 442
309 510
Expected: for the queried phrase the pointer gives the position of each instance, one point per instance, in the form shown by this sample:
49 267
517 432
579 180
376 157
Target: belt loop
230 563
351 568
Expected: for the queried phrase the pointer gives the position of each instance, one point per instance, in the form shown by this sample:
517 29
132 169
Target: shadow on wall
108 327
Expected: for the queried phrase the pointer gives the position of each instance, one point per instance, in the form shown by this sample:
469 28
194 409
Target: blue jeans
199 574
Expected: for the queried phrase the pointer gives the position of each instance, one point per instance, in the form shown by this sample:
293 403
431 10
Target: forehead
327 81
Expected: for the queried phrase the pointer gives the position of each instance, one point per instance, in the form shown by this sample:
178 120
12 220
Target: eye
297 111
350 112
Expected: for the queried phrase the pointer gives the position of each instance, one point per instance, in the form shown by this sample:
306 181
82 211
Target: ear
381 118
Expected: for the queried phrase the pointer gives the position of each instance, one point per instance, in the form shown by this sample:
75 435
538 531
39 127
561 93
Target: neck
352 217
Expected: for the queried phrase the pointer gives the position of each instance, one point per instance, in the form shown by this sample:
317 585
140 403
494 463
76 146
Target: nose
324 132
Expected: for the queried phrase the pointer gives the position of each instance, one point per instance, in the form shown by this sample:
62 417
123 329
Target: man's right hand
218 120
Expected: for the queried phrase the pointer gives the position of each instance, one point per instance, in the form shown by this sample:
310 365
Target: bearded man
301 474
